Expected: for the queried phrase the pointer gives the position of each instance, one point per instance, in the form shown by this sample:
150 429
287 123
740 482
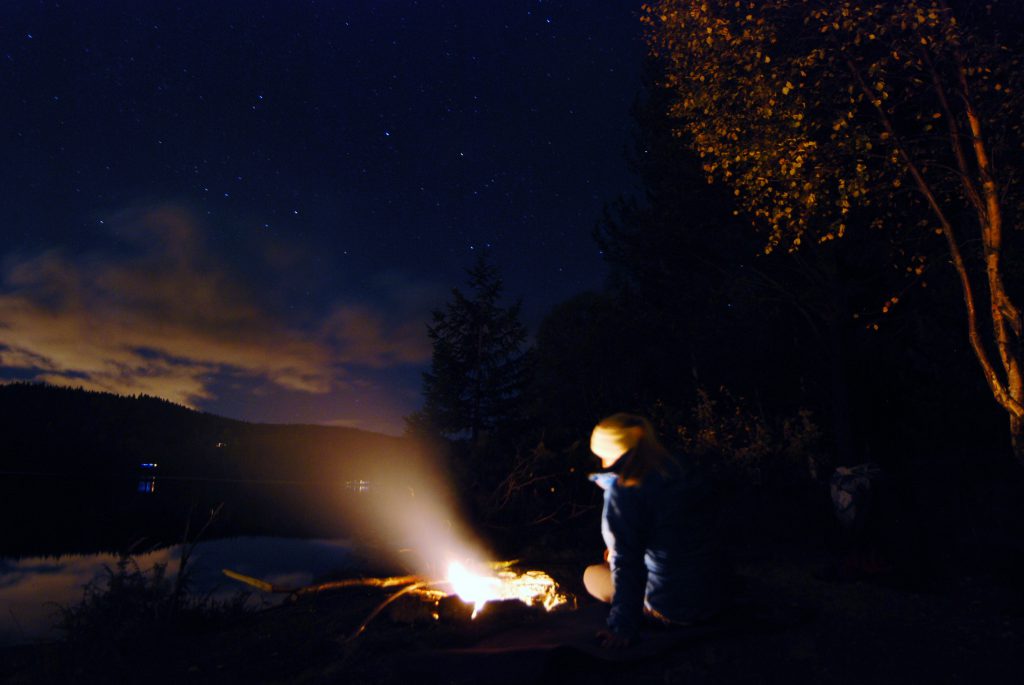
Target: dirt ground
861 632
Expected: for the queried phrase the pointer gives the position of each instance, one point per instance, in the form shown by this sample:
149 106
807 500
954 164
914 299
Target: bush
737 443
123 624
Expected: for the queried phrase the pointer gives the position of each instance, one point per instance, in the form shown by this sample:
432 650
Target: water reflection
72 514
31 588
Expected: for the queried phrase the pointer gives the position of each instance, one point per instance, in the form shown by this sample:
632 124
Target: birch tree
826 116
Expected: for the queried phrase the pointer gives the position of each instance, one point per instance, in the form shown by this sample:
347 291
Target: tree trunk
1006 318
840 391
982 191
1017 438
838 316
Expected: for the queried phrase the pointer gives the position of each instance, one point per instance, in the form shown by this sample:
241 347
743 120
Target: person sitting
658 524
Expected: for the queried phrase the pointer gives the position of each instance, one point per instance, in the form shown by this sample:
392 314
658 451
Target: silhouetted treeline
65 431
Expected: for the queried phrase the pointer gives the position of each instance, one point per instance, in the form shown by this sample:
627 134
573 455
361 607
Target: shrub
736 442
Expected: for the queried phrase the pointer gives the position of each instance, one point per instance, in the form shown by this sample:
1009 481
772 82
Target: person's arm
622 526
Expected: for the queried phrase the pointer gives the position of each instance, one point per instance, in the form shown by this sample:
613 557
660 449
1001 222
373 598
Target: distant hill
47 429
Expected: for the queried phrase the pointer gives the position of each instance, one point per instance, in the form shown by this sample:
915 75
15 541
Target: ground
964 628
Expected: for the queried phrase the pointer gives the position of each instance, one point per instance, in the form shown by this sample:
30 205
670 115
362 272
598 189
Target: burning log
264 586
463 593
475 588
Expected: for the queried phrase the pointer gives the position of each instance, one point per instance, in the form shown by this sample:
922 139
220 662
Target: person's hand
610 640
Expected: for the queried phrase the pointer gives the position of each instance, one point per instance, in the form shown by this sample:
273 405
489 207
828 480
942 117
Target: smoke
410 510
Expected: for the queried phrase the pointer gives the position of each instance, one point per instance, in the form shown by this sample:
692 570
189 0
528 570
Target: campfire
533 588
473 584
410 519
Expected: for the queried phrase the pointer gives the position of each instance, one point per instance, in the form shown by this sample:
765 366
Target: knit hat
611 442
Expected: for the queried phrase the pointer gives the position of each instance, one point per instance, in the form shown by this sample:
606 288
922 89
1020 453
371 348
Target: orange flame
530 588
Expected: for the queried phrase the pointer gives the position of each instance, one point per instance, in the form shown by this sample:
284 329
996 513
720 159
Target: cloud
389 335
346 423
161 315
361 335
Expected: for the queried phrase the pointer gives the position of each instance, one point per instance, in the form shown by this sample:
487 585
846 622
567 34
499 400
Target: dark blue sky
251 207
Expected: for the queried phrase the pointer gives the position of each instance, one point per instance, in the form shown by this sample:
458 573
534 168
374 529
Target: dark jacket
664 551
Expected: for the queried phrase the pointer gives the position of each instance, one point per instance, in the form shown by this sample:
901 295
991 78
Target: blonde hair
641 451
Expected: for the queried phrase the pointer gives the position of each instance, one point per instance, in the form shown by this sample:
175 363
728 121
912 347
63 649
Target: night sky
252 207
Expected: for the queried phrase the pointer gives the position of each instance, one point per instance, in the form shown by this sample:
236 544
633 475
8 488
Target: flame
529 587
472 588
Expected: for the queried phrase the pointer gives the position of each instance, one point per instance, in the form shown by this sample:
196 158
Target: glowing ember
530 587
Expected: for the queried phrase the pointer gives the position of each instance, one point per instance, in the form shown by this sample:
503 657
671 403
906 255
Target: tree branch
998 388
955 138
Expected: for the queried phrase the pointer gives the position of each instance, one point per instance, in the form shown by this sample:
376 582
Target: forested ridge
65 431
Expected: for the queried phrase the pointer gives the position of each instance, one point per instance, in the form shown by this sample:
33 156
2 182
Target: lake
31 587
60 532
53 514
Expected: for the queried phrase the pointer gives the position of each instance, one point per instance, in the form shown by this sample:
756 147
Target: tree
694 282
587 367
477 369
902 115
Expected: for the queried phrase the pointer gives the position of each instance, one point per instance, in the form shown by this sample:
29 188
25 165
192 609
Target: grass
130 617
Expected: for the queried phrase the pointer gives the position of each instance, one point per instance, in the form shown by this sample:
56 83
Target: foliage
476 378
735 441
788 101
128 616
697 304
587 365
822 115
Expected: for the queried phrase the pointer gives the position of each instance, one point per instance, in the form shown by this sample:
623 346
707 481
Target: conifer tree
474 385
